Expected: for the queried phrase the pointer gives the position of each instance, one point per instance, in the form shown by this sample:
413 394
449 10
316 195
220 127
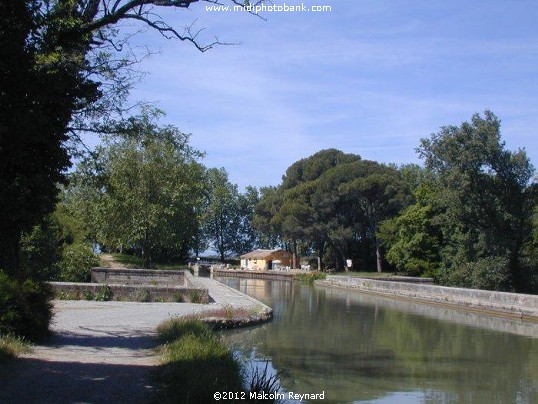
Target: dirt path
111 262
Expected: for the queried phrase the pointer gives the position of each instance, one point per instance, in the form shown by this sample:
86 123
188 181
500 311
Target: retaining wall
139 285
126 276
133 293
238 273
499 303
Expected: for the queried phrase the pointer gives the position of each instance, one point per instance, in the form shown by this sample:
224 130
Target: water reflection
358 347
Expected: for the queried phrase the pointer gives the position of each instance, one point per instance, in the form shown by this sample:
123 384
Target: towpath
103 351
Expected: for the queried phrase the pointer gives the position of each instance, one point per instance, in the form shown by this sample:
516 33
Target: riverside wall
504 304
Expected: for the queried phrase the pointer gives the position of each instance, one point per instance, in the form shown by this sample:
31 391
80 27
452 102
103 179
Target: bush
492 273
25 307
41 250
76 263
310 277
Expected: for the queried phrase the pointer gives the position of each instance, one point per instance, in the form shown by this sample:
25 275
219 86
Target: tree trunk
379 259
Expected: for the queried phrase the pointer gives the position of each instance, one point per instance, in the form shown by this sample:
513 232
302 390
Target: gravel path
102 352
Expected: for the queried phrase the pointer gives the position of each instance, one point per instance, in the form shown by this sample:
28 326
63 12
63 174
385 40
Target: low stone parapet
134 293
254 274
125 276
499 303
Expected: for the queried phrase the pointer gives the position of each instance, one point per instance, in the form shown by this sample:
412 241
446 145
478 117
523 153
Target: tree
381 194
229 216
487 202
333 202
413 237
61 65
146 191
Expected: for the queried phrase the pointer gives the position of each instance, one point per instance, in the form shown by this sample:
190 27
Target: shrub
310 277
492 273
25 307
76 263
41 249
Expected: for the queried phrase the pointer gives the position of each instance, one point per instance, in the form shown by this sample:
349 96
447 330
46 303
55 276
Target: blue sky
369 77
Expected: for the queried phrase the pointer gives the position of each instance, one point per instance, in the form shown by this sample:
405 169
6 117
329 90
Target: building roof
260 254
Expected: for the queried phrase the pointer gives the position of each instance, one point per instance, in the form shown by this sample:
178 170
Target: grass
11 346
129 261
196 364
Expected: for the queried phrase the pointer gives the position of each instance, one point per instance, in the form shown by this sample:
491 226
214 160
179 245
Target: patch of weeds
67 296
309 278
104 294
179 298
142 295
87 295
11 346
175 328
195 296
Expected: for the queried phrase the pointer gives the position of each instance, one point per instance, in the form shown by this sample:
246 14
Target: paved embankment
515 305
103 351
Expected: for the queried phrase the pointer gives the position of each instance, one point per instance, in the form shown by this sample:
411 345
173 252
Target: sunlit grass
11 346
195 363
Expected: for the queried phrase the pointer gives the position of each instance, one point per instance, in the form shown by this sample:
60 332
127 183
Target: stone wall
139 285
258 274
499 303
126 276
134 293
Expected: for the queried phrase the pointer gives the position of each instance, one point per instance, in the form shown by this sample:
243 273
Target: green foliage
104 294
413 238
143 296
491 273
485 202
196 363
41 250
129 261
175 328
310 277
331 203
12 346
195 296
87 295
147 193
76 263
25 307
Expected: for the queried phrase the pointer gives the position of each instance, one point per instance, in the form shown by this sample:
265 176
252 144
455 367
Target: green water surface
356 347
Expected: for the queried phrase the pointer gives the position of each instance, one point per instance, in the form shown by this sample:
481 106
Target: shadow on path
82 368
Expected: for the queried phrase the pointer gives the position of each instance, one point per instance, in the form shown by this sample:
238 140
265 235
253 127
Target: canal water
358 348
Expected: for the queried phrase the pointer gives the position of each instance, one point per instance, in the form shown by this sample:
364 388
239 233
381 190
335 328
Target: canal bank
249 274
513 305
